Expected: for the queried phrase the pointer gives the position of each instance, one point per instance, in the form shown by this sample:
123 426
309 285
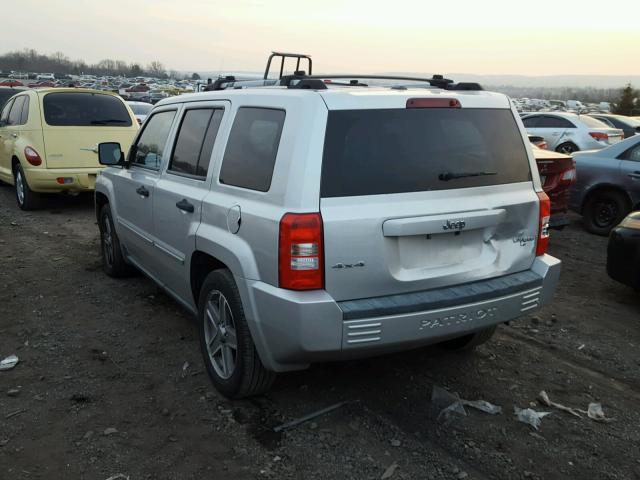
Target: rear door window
194 144
150 147
15 115
554 122
81 109
4 116
25 111
375 152
531 122
252 148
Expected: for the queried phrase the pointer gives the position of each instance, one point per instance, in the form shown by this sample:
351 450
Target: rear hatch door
420 198
74 123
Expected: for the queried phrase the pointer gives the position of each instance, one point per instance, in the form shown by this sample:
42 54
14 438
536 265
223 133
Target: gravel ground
110 381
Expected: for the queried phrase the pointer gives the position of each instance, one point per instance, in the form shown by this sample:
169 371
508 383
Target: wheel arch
201 265
604 187
15 161
100 201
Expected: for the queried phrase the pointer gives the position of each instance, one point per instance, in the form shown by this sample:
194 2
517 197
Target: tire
27 199
228 350
567 148
604 210
471 341
113 262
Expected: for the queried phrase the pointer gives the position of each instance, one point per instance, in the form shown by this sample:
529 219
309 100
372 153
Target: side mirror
110 153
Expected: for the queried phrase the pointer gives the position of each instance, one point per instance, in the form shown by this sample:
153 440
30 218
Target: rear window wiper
108 121
446 176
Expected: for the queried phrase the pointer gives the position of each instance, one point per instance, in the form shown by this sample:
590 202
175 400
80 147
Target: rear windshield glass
592 122
140 108
373 152
79 109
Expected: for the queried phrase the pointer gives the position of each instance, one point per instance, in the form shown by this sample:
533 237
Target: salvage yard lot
111 381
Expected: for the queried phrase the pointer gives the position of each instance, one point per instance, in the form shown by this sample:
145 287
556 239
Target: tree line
30 60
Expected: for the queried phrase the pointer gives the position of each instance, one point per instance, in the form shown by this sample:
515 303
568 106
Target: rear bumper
45 180
293 329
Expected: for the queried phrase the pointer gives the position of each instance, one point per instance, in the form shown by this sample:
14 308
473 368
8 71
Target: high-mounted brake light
301 255
543 228
433 103
32 156
603 137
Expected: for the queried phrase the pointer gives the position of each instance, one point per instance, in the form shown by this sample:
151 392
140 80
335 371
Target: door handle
185 206
635 175
143 192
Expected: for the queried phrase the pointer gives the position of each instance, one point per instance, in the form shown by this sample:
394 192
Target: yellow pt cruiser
49 139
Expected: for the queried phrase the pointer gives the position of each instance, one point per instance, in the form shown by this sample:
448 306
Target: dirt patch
110 381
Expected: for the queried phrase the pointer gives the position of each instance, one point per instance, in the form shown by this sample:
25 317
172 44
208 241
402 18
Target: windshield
373 152
141 109
81 109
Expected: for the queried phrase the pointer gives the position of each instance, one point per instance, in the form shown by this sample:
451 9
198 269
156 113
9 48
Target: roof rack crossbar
283 56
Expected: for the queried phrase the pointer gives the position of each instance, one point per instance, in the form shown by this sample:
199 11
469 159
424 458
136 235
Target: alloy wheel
19 187
220 334
107 241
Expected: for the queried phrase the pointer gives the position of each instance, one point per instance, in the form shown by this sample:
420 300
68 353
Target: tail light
32 156
601 137
542 145
300 262
543 229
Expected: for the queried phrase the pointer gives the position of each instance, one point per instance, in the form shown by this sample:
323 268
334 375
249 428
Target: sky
541 37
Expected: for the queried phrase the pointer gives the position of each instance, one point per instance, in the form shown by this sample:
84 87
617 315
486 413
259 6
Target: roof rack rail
321 81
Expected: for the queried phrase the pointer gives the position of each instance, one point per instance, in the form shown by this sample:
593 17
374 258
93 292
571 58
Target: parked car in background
569 132
623 251
46 76
608 185
43 84
629 125
538 141
7 92
557 175
140 110
49 138
19 75
156 95
11 83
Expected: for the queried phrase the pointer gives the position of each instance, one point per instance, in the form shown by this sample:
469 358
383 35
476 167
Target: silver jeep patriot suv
322 220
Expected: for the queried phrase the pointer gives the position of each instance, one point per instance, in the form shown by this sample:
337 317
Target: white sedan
140 110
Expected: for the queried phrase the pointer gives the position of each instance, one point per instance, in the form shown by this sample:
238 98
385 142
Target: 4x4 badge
348 265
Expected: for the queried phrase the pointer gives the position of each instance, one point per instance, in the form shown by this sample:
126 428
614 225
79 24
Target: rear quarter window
375 152
592 122
83 109
252 148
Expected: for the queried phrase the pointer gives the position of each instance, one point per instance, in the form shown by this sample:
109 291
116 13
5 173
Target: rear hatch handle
446 223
